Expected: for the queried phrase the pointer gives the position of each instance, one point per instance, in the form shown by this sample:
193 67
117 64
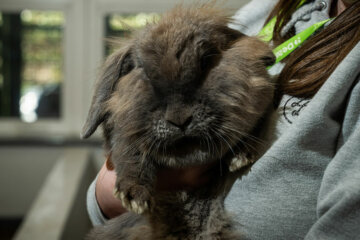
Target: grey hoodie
307 184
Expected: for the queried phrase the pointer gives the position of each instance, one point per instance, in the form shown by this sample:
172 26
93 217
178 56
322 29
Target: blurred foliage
121 26
123 22
42 18
42 47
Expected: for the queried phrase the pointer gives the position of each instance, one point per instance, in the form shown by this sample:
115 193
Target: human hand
109 205
168 179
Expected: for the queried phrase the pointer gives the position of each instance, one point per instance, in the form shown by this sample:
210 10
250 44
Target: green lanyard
284 49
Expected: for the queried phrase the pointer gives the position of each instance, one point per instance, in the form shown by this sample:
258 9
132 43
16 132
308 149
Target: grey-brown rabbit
185 91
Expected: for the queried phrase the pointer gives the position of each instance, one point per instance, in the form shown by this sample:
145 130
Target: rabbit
184 91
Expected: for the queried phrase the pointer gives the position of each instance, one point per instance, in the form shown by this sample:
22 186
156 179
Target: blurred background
50 52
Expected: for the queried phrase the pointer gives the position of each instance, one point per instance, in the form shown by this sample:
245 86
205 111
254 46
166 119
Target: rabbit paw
239 162
134 197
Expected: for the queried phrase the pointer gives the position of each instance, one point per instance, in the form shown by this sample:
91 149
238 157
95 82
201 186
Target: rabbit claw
239 162
135 198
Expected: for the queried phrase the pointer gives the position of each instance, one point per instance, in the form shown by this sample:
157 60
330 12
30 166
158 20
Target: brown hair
308 67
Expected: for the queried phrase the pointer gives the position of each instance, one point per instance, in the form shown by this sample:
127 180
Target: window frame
68 124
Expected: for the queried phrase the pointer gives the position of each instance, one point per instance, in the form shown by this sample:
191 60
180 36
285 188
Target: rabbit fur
186 90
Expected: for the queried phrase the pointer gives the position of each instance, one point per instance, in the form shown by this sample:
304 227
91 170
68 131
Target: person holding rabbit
307 184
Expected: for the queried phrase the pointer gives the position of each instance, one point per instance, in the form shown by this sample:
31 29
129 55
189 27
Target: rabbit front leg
135 183
247 156
241 160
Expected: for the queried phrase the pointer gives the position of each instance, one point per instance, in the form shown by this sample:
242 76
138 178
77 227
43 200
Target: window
31 64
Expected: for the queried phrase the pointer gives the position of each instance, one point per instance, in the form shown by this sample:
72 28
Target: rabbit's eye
205 62
208 58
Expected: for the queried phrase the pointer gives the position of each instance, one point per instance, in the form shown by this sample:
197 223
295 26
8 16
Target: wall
22 172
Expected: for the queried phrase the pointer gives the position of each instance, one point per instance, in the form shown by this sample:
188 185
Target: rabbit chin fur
186 90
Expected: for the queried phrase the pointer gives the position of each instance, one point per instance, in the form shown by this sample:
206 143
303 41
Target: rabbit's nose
179 118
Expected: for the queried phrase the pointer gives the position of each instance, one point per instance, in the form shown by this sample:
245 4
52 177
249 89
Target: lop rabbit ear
116 66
